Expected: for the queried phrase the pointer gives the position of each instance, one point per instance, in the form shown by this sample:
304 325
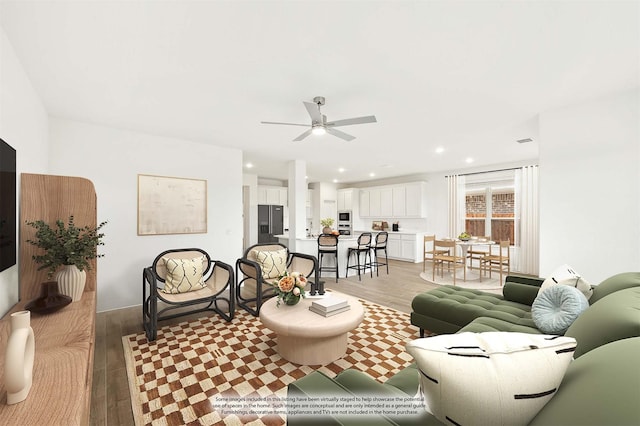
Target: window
490 205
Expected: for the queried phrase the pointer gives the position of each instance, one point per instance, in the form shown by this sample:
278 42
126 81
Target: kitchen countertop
402 231
340 237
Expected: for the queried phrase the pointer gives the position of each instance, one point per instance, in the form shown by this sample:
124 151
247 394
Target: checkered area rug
174 379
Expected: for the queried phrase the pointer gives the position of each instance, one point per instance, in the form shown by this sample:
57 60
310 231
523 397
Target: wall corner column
297 202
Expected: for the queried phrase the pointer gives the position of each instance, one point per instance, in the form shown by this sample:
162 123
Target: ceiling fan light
318 130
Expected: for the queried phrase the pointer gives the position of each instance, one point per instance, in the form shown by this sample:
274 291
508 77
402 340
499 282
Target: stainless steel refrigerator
270 223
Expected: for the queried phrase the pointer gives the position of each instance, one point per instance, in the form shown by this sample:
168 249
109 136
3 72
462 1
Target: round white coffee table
307 338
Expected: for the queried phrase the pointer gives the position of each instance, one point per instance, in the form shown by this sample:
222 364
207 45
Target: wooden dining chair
451 258
429 250
478 252
497 262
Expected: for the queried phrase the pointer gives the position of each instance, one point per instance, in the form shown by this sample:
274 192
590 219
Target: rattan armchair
216 295
254 281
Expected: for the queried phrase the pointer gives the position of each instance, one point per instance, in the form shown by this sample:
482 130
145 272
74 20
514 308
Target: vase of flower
18 361
291 299
290 288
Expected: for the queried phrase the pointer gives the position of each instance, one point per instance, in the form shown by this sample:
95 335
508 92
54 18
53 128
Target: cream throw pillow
493 378
566 275
273 263
183 275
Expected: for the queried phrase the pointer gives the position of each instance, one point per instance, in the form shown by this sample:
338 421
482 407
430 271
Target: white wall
324 205
24 126
112 159
590 187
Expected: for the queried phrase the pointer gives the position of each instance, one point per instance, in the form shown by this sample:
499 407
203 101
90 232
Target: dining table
465 245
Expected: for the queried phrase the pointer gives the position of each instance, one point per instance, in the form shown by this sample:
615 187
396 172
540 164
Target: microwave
344 216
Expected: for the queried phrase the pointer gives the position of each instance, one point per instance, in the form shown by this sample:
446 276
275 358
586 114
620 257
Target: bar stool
327 244
364 246
380 244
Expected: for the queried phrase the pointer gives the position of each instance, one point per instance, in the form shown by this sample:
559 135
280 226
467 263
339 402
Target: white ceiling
468 76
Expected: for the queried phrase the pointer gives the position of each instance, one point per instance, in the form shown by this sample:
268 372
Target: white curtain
457 204
527 232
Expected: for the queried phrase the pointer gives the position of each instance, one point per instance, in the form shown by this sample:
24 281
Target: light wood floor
111 404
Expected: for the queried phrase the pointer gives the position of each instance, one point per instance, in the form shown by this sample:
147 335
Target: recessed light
248 165
439 150
469 160
372 174
335 181
341 169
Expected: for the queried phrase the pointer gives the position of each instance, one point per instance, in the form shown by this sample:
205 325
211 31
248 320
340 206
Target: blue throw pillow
555 309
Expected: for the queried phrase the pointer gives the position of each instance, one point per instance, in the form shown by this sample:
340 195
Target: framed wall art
171 205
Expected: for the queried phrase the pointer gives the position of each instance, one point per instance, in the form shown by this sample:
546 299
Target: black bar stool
327 244
364 246
380 244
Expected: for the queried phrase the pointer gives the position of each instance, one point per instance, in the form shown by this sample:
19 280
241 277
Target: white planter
18 362
71 281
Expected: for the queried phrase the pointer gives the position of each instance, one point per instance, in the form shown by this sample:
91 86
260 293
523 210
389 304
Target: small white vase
71 281
18 362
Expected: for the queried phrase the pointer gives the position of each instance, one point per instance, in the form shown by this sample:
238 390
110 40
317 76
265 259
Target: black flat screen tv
7 206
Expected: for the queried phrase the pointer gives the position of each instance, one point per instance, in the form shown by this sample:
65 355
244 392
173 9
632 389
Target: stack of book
329 306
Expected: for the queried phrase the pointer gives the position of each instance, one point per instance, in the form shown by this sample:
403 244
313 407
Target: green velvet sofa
447 309
601 386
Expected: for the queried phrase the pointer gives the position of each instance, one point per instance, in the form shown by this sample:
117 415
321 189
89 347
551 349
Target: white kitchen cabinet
374 202
309 204
262 195
276 195
309 200
408 247
273 196
394 247
415 200
399 201
365 211
405 246
386 202
345 199
394 201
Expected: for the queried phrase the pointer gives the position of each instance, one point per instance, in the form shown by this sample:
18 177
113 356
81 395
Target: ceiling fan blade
286 124
302 136
341 135
314 112
350 121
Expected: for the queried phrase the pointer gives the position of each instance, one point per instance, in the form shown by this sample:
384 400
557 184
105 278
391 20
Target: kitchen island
309 245
406 245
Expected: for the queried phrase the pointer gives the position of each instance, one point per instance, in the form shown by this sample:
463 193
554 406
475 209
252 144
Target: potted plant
67 246
326 225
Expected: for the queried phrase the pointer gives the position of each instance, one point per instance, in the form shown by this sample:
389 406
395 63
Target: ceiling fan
320 125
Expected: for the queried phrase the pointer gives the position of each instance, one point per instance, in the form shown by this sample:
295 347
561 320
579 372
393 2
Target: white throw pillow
493 378
566 275
183 275
272 263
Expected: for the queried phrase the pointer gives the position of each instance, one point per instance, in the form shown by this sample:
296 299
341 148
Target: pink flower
302 281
